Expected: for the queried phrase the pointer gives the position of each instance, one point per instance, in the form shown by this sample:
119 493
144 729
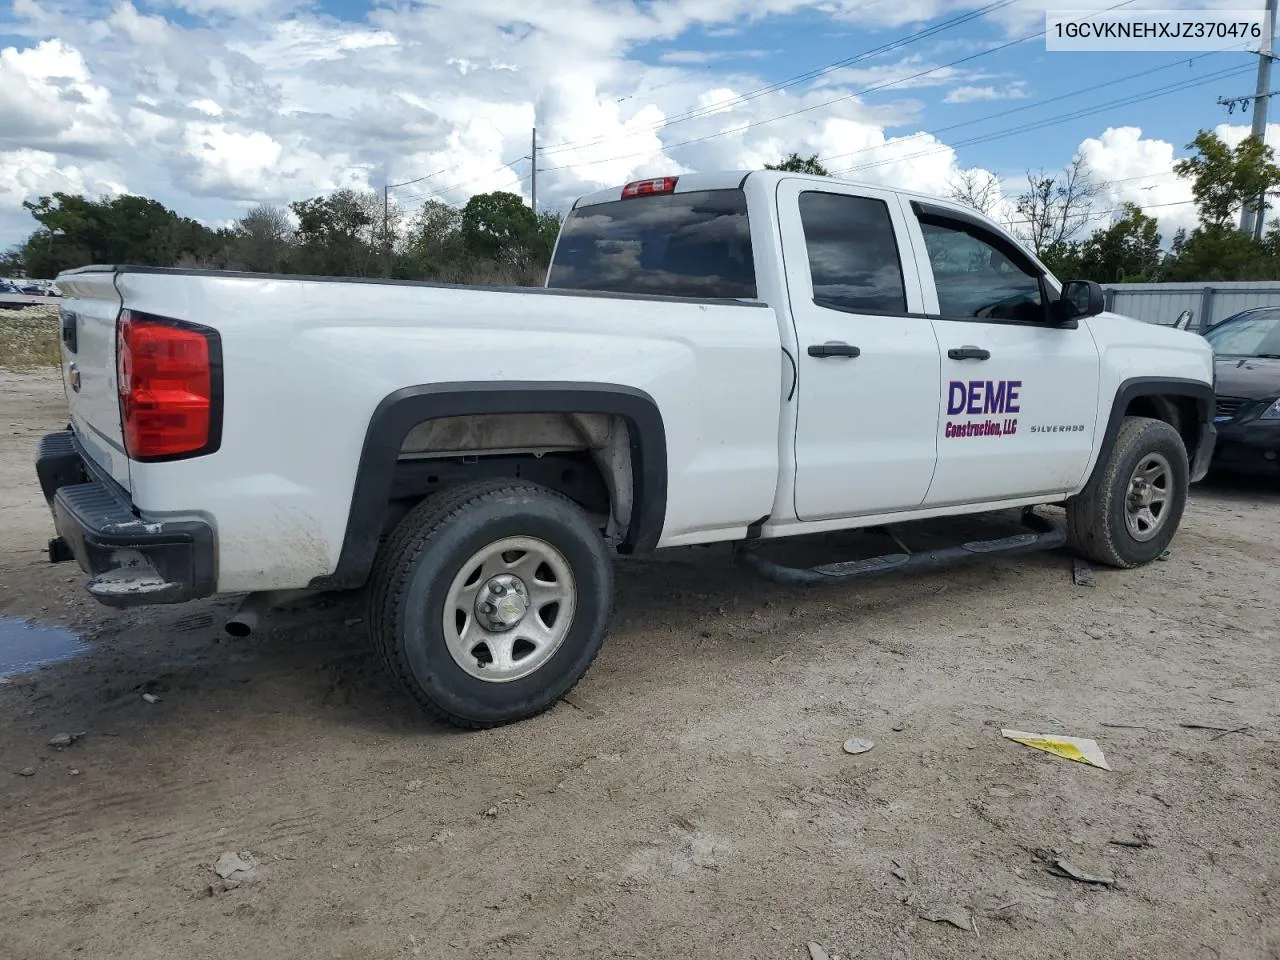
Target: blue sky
214 105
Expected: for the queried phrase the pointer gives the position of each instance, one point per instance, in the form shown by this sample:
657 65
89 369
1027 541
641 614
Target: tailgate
90 306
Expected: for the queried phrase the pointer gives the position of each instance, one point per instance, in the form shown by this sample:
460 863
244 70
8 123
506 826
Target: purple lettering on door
975 397
1011 406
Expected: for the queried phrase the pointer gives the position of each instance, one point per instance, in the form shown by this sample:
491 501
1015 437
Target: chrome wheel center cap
502 603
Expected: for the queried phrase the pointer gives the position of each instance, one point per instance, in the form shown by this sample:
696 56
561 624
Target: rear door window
853 255
695 244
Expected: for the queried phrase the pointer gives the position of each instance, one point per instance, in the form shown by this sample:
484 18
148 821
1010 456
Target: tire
1105 524
442 556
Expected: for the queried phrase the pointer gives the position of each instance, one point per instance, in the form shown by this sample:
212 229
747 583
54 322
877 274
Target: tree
75 231
339 235
544 237
13 262
977 189
1063 260
1219 252
1223 179
1128 251
262 238
498 226
1056 207
794 163
433 247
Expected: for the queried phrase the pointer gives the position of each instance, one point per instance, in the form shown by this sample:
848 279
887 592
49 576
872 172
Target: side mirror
1184 320
1080 298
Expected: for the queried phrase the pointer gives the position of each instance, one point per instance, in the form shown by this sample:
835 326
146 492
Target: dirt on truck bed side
692 799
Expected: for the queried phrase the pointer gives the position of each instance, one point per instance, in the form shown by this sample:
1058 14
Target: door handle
833 349
968 353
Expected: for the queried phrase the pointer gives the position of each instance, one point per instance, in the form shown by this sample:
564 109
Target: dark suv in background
1246 350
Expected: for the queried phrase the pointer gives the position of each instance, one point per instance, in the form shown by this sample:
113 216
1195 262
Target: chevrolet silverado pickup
714 357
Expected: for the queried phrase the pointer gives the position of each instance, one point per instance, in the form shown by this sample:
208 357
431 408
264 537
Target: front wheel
1130 512
490 601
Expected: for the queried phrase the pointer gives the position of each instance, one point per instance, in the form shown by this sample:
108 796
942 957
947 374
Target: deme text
976 397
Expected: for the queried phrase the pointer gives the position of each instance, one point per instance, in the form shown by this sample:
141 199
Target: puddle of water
24 645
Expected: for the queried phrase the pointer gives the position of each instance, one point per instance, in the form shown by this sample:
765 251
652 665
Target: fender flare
1129 390
401 411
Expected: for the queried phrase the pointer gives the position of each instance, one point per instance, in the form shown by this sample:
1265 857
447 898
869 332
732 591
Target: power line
459 186
817 106
1104 213
432 196
1029 106
719 106
397 186
1075 115
775 42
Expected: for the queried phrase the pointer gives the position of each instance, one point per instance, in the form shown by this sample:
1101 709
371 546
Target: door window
853 256
978 279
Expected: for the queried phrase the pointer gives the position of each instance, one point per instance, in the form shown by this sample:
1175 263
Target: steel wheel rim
1149 497
531 615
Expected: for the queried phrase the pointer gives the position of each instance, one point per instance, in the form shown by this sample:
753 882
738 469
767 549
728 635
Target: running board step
1044 534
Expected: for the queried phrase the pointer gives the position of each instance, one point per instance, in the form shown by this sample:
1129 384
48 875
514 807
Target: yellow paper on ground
1079 749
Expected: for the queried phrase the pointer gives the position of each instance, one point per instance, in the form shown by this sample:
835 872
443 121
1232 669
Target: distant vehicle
1246 350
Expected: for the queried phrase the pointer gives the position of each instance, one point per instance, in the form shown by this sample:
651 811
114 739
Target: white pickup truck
715 357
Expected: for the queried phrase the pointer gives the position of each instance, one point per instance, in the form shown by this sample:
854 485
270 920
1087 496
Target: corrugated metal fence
1209 303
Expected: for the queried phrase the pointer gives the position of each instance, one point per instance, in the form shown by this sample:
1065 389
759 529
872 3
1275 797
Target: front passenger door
1018 394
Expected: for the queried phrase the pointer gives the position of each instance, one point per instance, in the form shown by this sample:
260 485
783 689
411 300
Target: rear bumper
132 562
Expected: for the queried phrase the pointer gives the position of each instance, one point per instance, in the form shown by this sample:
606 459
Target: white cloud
234 8
1140 170
221 161
707 57
1232 133
207 107
971 94
143 30
49 101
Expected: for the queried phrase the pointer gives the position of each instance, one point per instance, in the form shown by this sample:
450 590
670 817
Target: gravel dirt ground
693 799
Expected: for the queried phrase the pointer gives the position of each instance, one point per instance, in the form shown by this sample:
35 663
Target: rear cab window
693 245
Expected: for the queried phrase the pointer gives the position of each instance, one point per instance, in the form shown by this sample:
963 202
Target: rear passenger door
868 370
1018 394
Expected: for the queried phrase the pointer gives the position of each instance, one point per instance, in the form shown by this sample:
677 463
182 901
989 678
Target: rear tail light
642 188
170 375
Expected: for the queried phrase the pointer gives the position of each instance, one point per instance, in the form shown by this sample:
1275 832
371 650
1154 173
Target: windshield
695 244
1253 336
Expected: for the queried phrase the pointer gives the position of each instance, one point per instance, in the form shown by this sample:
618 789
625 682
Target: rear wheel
490 601
1129 515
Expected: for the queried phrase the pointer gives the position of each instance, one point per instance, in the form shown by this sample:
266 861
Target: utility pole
386 230
533 155
1249 222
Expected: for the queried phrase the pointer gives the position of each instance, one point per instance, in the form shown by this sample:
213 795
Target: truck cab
928 363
